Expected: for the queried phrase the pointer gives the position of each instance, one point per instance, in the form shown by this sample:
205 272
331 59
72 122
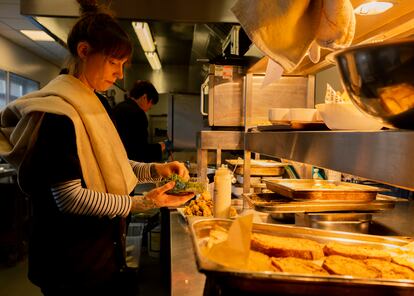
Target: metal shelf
218 141
383 156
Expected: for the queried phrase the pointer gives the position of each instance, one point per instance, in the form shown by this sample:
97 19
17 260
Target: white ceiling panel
11 22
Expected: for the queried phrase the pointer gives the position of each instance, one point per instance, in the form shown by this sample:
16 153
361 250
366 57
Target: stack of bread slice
306 256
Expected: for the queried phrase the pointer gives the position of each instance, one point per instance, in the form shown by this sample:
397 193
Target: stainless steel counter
383 156
186 280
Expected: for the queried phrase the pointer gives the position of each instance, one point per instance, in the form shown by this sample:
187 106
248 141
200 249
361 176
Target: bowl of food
379 79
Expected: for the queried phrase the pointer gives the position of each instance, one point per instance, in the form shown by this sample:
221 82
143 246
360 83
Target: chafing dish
322 189
352 222
296 284
276 204
258 167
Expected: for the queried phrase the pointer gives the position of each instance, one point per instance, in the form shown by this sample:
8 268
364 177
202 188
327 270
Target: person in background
132 123
71 161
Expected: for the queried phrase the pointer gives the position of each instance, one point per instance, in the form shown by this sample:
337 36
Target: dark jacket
132 125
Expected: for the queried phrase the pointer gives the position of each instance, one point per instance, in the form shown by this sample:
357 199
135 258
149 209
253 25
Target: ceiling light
37 35
144 36
153 60
373 7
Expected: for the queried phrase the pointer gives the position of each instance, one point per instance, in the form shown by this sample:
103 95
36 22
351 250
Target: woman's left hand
174 167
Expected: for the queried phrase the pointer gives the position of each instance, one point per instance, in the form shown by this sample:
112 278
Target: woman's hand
174 167
162 199
157 198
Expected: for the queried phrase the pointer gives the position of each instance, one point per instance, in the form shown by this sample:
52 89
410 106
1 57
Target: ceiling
11 21
185 31
177 43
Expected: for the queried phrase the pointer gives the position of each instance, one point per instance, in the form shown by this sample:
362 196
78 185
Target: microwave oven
222 95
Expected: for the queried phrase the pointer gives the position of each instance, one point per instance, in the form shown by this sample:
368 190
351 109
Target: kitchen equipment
222 192
345 116
222 97
311 189
349 222
379 79
296 284
258 167
275 204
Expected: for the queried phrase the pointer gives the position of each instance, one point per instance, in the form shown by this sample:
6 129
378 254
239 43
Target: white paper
273 73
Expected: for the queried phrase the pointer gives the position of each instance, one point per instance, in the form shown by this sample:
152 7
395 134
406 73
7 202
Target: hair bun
88 6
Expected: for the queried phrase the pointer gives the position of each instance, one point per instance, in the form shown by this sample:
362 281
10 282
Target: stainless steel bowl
379 79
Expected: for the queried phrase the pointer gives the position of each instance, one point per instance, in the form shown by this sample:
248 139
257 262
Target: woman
70 159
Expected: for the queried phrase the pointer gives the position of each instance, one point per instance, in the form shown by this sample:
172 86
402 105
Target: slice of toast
404 260
297 265
340 265
276 246
390 270
259 262
355 252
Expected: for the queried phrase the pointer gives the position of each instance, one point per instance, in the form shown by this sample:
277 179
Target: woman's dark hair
99 28
142 87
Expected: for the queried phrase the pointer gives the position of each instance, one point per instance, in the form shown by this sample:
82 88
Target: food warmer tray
312 189
296 284
286 205
258 167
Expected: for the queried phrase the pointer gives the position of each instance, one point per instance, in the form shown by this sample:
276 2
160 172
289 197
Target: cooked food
297 265
201 206
404 260
340 265
259 262
356 252
182 186
276 246
389 270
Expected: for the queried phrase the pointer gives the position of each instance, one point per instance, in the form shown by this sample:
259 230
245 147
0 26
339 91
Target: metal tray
284 205
295 284
258 167
322 189
350 222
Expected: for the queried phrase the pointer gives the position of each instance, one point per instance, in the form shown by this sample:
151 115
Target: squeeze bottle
222 192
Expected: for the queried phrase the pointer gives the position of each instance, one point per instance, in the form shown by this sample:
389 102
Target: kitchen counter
186 280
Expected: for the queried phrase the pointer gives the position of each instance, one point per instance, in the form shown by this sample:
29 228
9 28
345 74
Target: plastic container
302 114
154 242
222 192
133 244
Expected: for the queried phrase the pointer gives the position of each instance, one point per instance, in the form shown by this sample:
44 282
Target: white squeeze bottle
222 192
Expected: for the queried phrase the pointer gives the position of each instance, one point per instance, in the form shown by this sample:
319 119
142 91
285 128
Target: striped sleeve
72 198
145 172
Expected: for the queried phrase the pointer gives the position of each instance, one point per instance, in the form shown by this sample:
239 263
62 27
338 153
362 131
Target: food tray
258 167
310 189
351 222
293 125
295 284
283 204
